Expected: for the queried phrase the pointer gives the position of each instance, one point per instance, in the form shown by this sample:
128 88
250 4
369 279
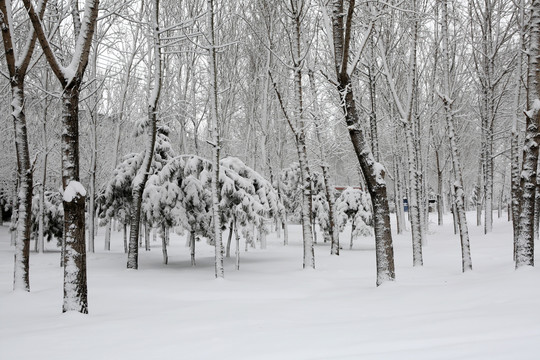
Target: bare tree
459 193
71 79
296 13
374 173
219 271
405 112
151 126
18 61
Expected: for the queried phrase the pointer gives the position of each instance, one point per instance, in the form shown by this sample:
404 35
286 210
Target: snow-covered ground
272 309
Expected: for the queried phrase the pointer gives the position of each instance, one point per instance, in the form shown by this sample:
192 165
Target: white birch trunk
216 214
459 194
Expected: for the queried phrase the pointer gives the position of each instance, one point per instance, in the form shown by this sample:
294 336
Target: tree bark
373 171
75 288
142 176
459 194
216 213
17 64
192 247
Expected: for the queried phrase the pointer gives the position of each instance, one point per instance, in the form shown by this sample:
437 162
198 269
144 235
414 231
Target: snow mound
72 190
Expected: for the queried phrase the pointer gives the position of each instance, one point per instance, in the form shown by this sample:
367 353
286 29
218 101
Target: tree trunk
453 207
142 176
414 201
75 287
213 94
515 165
459 194
192 247
285 231
125 236
22 245
237 248
262 236
479 195
108 235
44 139
41 218
398 197
164 245
440 193
353 227
329 194
147 237
228 251
373 171
14 213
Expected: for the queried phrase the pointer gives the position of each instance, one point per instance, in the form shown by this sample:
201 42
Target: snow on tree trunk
524 244
41 216
94 151
216 214
479 196
17 61
14 213
373 171
71 77
237 248
414 208
398 197
515 163
459 194
440 192
328 192
22 245
142 176
453 207
75 288
44 139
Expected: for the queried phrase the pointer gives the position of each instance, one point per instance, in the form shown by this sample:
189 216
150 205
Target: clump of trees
290 88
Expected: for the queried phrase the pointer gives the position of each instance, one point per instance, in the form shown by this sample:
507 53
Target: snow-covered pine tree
53 216
116 201
321 207
175 195
291 191
354 206
179 193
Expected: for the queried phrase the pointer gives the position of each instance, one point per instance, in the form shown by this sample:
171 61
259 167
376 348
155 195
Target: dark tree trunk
192 246
373 171
75 287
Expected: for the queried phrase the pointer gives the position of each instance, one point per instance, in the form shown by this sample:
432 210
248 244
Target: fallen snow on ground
272 309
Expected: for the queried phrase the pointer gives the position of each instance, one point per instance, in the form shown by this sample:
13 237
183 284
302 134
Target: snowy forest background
226 126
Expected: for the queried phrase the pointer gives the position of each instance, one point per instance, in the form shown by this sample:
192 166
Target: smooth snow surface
272 309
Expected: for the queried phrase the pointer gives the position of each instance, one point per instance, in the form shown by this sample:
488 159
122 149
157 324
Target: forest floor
272 309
